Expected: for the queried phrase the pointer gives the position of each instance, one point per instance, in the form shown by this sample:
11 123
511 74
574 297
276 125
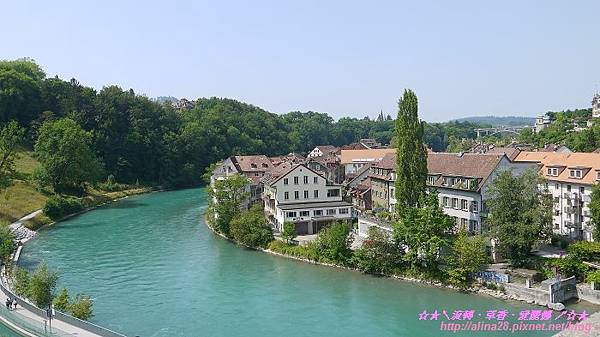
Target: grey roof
323 204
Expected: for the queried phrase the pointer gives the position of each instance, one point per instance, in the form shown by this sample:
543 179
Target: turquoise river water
155 269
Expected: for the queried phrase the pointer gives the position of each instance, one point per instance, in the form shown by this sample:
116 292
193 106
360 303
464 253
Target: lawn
18 200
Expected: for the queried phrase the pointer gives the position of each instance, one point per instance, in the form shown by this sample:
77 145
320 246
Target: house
354 160
555 148
570 177
252 167
328 166
542 122
596 106
295 193
323 150
461 181
361 196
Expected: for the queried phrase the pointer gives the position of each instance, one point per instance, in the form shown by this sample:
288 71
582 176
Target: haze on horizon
346 58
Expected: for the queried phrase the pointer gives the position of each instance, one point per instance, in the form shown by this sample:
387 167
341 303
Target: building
323 150
596 106
570 177
542 122
295 193
361 196
328 166
555 148
252 167
461 181
291 157
354 160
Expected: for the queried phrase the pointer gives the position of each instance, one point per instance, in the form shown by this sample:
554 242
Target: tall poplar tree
411 155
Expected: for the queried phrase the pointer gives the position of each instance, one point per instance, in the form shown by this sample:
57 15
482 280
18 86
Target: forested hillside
134 139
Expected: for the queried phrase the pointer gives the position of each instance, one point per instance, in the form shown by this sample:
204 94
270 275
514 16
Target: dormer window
577 174
253 165
265 165
553 171
598 175
431 180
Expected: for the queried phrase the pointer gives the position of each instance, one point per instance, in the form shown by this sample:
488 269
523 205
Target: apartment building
295 193
569 179
354 160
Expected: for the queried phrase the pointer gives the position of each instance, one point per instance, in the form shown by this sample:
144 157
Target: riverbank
481 291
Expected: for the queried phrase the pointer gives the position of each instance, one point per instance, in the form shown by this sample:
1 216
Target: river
154 269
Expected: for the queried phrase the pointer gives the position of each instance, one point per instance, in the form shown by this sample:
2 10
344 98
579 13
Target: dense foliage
595 210
250 228
11 136
519 214
42 286
59 206
140 140
469 255
411 156
227 198
378 254
7 245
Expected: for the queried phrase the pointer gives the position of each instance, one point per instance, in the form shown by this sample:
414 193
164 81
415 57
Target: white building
570 177
252 167
542 122
354 160
323 150
295 193
596 106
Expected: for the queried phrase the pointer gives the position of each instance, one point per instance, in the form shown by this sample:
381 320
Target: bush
378 254
585 250
567 267
20 279
251 228
110 185
58 206
333 243
593 276
81 307
308 252
62 300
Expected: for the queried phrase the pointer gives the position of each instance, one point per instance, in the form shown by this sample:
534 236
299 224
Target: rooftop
352 156
580 160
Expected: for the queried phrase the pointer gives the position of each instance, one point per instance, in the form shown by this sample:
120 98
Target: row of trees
40 287
135 139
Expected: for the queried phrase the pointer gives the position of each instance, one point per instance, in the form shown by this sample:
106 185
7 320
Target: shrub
20 279
333 243
62 300
81 307
58 206
308 252
251 228
569 266
585 250
378 254
289 232
593 276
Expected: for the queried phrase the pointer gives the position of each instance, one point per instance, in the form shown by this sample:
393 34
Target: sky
346 58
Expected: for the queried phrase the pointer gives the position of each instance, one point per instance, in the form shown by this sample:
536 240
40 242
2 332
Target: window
305 194
598 175
553 171
575 174
291 214
475 206
581 189
431 180
296 195
306 179
454 202
318 212
343 211
331 211
464 223
556 186
286 181
464 204
286 195
316 194
295 180
253 165
315 180
304 213
446 201
568 188
333 193
473 226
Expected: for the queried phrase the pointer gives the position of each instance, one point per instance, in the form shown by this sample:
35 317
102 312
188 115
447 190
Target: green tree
11 136
519 214
595 210
469 255
378 254
7 245
424 232
227 197
21 279
67 162
289 232
42 286
81 307
62 301
251 228
333 243
411 155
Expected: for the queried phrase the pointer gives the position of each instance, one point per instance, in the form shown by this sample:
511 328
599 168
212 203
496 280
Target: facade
542 122
569 179
354 160
295 193
461 181
596 106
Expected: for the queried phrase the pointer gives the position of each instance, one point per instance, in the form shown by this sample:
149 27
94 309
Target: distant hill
499 121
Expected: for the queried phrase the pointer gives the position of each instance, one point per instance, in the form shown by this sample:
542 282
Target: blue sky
347 58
